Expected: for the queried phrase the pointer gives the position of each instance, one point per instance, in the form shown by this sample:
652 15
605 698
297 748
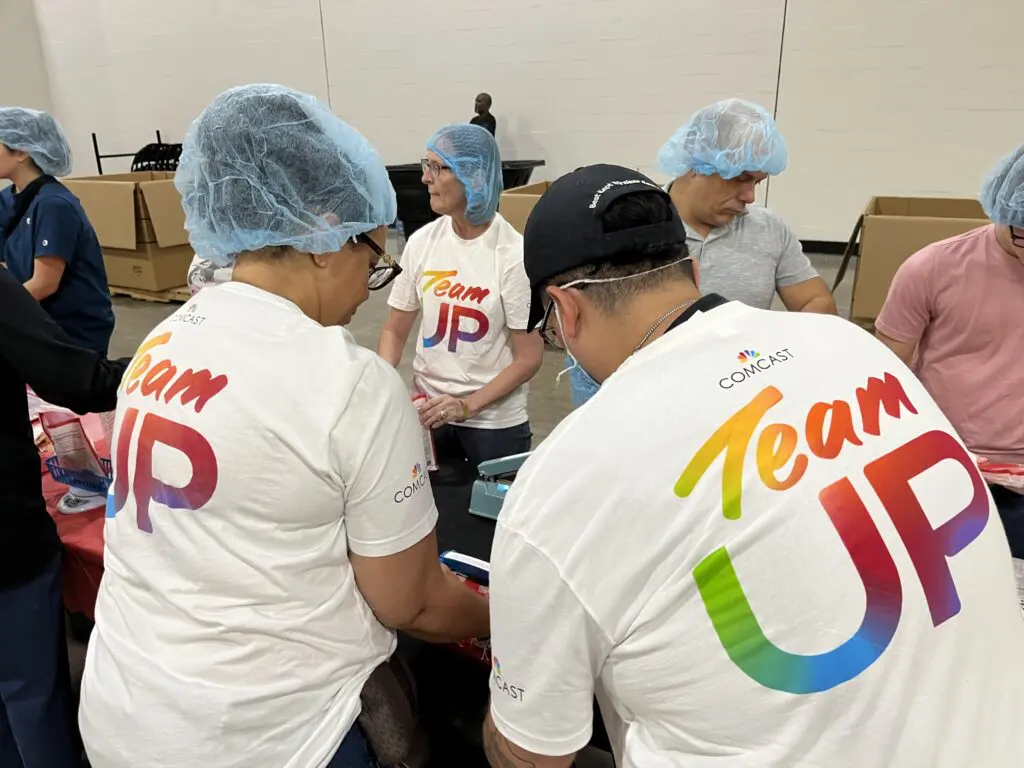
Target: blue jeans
1011 512
36 714
354 752
583 387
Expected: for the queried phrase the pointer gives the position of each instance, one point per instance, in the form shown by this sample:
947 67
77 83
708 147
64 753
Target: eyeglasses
381 273
432 169
549 330
1016 237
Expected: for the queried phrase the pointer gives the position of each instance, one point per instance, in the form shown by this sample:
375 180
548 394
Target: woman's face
10 160
447 195
346 283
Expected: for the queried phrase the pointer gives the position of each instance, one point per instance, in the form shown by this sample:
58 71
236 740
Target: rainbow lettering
163 380
452 314
776 449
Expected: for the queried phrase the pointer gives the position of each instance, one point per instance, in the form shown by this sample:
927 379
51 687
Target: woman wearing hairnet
46 239
464 272
270 523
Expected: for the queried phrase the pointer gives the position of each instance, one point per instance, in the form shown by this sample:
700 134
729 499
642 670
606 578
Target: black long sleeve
43 356
35 351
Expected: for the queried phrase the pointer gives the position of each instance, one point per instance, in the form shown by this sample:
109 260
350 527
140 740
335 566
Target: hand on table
443 409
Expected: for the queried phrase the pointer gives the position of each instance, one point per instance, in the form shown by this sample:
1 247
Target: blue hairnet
728 138
472 154
264 166
38 134
1002 194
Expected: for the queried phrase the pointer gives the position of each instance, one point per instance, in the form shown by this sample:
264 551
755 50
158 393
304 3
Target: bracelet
465 410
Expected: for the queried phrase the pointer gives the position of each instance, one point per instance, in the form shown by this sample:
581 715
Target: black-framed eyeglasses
431 168
386 270
549 327
1017 237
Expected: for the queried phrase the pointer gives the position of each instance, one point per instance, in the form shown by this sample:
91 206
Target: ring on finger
443 414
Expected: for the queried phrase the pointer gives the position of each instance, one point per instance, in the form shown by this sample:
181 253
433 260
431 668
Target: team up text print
781 463
163 382
456 319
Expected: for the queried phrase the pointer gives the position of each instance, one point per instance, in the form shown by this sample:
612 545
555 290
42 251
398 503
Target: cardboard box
515 204
891 230
140 224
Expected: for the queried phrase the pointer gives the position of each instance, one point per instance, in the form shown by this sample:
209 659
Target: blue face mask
585 386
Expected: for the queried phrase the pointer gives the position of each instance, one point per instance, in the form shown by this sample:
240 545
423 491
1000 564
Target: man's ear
567 303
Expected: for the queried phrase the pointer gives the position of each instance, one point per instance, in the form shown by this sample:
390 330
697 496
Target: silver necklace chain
661 320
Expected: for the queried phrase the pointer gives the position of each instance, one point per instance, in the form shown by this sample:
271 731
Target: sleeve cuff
396 304
895 333
397 544
801 277
547 747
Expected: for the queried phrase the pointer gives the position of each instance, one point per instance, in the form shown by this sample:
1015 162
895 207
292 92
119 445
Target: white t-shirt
628 549
254 449
473 293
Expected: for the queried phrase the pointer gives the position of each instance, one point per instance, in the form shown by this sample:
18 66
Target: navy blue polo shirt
56 225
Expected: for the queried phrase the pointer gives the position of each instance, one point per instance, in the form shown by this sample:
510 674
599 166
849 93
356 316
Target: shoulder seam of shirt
949 242
561 576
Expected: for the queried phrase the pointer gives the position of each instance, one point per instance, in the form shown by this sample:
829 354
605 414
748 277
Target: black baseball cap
565 229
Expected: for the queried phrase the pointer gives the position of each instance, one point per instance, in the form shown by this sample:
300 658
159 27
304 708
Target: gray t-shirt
749 258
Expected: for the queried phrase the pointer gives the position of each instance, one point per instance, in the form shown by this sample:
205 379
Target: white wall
574 82
907 97
23 78
875 97
127 68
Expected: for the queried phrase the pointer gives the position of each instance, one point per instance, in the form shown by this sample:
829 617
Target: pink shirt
962 302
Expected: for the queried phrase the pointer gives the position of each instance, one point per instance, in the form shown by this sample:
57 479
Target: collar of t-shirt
704 304
22 201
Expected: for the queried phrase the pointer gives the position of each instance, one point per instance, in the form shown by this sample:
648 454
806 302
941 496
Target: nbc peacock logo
748 355
417 481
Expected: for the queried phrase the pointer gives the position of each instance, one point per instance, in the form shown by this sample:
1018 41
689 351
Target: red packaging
1007 475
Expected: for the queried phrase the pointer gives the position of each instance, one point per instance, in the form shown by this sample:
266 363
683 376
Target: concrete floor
548 404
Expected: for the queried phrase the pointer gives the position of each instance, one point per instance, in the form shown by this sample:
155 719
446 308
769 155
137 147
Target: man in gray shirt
742 252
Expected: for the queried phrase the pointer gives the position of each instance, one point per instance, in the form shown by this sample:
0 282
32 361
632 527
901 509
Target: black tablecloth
456 528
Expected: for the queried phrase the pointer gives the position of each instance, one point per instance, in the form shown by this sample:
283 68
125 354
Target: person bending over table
743 252
954 314
271 522
36 715
46 239
759 566
464 272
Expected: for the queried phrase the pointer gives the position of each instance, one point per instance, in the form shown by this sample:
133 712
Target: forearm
84 387
390 346
502 753
821 305
516 373
39 289
452 611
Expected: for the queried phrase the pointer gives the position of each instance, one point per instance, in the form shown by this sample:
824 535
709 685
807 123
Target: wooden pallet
177 295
